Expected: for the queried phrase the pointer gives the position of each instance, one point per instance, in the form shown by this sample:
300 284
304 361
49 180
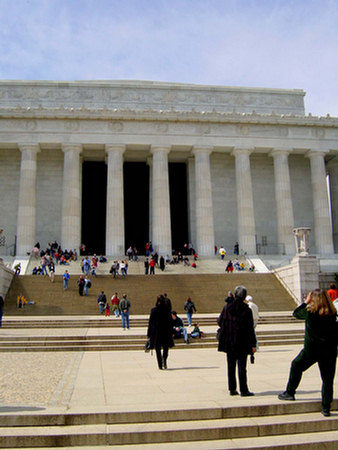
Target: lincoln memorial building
117 163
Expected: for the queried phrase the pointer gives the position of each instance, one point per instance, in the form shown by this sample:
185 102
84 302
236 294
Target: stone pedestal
321 212
245 208
26 224
306 275
285 219
161 225
205 235
71 198
115 245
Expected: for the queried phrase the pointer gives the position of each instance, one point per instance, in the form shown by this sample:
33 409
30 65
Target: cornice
172 115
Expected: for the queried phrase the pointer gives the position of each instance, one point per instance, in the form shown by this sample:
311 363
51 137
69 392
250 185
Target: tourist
102 300
152 264
167 301
129 253
237 339
196 332
230 267
17 269
123 268
107 310
160 331
66 278
236 249
146 266
179 329
81 283
162 263
255 314
190 308
51 267
320 346
87 285
222 252
115 301
124 310
229 298
333 292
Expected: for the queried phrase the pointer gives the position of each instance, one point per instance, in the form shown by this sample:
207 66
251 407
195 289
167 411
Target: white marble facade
257 166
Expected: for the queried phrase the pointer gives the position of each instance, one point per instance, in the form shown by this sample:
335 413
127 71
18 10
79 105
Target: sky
290 44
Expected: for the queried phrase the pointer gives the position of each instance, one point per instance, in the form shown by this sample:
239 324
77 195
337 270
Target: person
236 249
124 310
333 292
178 327
51 270
66 278
102 300
160 331
167 301
196 332
222 252
123 268
237 339
115 301
87 285
229 298
152 264
2 304
107 310
162 263
190 308
146 266
229 268
17 269
320 346
81 283
255 313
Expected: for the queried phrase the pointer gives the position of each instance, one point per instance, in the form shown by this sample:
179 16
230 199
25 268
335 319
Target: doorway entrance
94 199
178 205
136 204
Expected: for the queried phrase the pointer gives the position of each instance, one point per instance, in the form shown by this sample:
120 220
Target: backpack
89 284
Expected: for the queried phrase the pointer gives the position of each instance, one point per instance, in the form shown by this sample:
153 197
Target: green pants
327 366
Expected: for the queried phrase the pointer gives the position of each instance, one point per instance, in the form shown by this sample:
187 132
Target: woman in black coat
237 339
320 346
160 330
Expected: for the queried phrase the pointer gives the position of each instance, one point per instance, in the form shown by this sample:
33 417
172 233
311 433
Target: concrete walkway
130 380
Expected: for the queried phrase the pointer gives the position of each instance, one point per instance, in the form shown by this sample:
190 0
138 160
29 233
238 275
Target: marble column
161 224
71 197
150 165
115 245
321 211
26 223
191 200
332 168
245 207
205 233
285 219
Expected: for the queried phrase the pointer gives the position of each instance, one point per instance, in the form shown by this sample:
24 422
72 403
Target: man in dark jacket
237 340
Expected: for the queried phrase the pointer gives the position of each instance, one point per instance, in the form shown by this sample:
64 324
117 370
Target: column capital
160 148
205 149
279 152
241 151
115 148
29 147
71 148
312 152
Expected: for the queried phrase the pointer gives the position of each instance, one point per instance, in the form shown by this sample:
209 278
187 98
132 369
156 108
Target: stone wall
6 276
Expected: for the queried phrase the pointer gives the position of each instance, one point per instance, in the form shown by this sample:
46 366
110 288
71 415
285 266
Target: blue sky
262 43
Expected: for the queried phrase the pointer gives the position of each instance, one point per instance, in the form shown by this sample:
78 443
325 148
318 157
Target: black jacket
160 327
237 335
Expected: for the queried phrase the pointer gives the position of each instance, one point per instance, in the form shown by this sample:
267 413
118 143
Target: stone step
303 441
164 431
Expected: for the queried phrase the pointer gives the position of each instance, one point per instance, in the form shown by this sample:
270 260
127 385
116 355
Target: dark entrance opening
178 205
94 201
136 204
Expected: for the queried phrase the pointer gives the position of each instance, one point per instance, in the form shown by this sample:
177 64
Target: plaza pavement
113 381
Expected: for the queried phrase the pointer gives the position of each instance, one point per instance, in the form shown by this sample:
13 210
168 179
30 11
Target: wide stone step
166 431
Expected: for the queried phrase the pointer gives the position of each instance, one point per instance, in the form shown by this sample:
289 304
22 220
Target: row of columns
160 200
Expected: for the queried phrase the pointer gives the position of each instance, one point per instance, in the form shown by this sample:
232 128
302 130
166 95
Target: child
107 310
196 332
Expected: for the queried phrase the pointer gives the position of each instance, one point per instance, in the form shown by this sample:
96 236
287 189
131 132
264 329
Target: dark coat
160 327
237 334
321 332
